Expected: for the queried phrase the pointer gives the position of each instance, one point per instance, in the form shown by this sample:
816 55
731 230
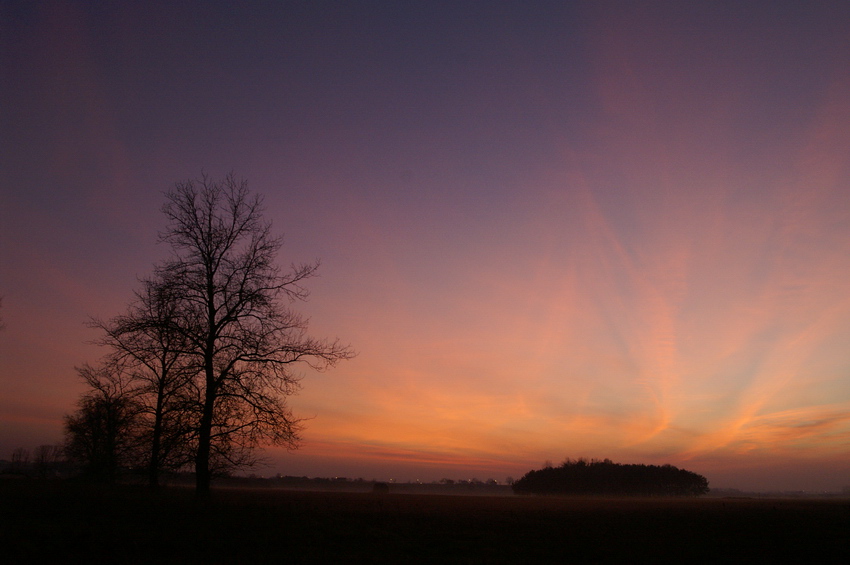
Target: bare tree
102 435
46 459
20 460
144 342
234 312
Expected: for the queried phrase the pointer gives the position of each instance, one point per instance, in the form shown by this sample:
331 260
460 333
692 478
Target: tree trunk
156 442
202 467
156 447
202 457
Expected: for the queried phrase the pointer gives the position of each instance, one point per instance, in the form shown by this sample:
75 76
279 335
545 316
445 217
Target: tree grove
212 340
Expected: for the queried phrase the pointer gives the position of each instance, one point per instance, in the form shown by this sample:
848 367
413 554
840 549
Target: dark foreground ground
57 522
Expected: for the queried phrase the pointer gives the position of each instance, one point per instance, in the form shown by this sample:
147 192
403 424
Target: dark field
57 522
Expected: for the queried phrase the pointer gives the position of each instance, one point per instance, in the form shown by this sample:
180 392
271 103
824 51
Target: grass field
59 522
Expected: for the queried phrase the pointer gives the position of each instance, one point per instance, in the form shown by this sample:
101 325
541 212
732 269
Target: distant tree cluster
199 366
583 477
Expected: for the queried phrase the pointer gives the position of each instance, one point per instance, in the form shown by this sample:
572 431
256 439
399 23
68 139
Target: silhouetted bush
608 478
380 488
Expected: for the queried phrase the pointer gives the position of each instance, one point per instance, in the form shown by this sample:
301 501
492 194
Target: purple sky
550 229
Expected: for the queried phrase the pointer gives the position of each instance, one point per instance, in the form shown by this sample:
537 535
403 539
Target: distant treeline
580 476
443 486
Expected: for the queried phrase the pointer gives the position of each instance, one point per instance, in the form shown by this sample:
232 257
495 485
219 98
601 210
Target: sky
549 229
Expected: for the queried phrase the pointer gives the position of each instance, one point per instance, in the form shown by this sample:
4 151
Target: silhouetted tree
20 460
234 316
146 345
103 434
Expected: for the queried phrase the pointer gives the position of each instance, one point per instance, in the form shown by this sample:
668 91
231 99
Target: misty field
73 523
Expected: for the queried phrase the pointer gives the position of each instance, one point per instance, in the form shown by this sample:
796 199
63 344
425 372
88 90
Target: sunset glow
614 230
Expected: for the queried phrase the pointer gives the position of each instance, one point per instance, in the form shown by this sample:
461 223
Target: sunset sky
550 229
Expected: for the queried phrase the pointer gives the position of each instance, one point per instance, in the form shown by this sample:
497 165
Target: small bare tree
20 460
46 459
103 435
